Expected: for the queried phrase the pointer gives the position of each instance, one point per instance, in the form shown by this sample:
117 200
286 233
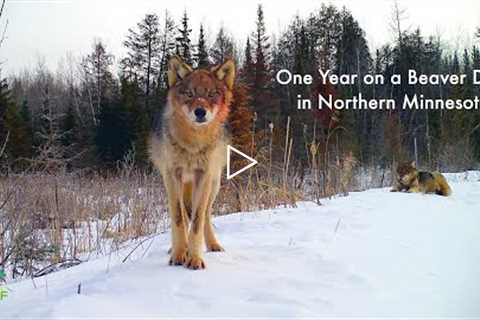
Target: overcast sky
41 29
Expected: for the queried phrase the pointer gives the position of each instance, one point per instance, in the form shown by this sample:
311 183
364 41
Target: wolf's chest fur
189 156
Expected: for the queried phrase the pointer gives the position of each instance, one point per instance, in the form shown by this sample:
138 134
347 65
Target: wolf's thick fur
190 152
412 180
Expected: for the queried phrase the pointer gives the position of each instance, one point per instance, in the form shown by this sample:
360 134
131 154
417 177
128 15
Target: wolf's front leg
414 189
201 193
178 254
210 238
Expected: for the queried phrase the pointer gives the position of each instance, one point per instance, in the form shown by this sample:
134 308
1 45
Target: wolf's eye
188 93
213 94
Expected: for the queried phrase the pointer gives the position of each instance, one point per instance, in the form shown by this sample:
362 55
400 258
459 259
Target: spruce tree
139 123
263 100
27 121
262 53
167 48
248 70
4 103
201 57
112 138
184 49
223 47
15 141
144 46
69 127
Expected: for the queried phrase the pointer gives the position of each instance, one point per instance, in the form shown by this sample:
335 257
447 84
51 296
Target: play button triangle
252 161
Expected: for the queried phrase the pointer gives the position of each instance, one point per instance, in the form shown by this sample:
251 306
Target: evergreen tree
262 52
201 57
167 48
27 122
325 28
139 123
15 134
263 101
69 127
467 69
248 70
18 148
112 138
184 49
455 67
223 48
144 46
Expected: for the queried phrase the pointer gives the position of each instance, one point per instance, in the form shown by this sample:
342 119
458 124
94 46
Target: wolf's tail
442 187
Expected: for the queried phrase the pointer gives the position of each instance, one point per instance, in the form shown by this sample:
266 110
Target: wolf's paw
178 258
215 247
194 263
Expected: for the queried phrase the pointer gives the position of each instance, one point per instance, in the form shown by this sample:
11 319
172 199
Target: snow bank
373 253
471 176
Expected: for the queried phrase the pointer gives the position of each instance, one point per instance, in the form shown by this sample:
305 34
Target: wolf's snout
200 113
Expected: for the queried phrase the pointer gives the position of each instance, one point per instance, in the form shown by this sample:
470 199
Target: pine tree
455 68
223 47
248 70
262 97
201 57
27 122
167 48
184 49
112 138
262 54
139 123
69 127
18 146
325 28
144 46
467 69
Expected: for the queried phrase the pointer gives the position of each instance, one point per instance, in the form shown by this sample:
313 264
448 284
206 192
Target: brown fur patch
178 174
196 223
198 176
187 199
178 215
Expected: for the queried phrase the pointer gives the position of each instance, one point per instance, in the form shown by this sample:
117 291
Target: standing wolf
412 180
190 152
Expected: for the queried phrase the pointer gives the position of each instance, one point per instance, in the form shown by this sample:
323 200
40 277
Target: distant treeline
86 117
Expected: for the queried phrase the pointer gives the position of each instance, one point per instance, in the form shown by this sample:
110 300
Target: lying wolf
409 179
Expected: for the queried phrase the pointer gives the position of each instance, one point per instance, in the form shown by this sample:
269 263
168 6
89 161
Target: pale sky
41 29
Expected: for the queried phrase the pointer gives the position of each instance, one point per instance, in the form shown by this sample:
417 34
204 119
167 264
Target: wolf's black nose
200 113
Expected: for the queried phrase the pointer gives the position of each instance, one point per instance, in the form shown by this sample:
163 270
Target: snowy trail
373 253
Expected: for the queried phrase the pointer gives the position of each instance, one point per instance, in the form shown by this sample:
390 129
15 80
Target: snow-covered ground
373 253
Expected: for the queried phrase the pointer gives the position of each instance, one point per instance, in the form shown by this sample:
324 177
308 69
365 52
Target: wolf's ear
177 70
226 72
413 164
